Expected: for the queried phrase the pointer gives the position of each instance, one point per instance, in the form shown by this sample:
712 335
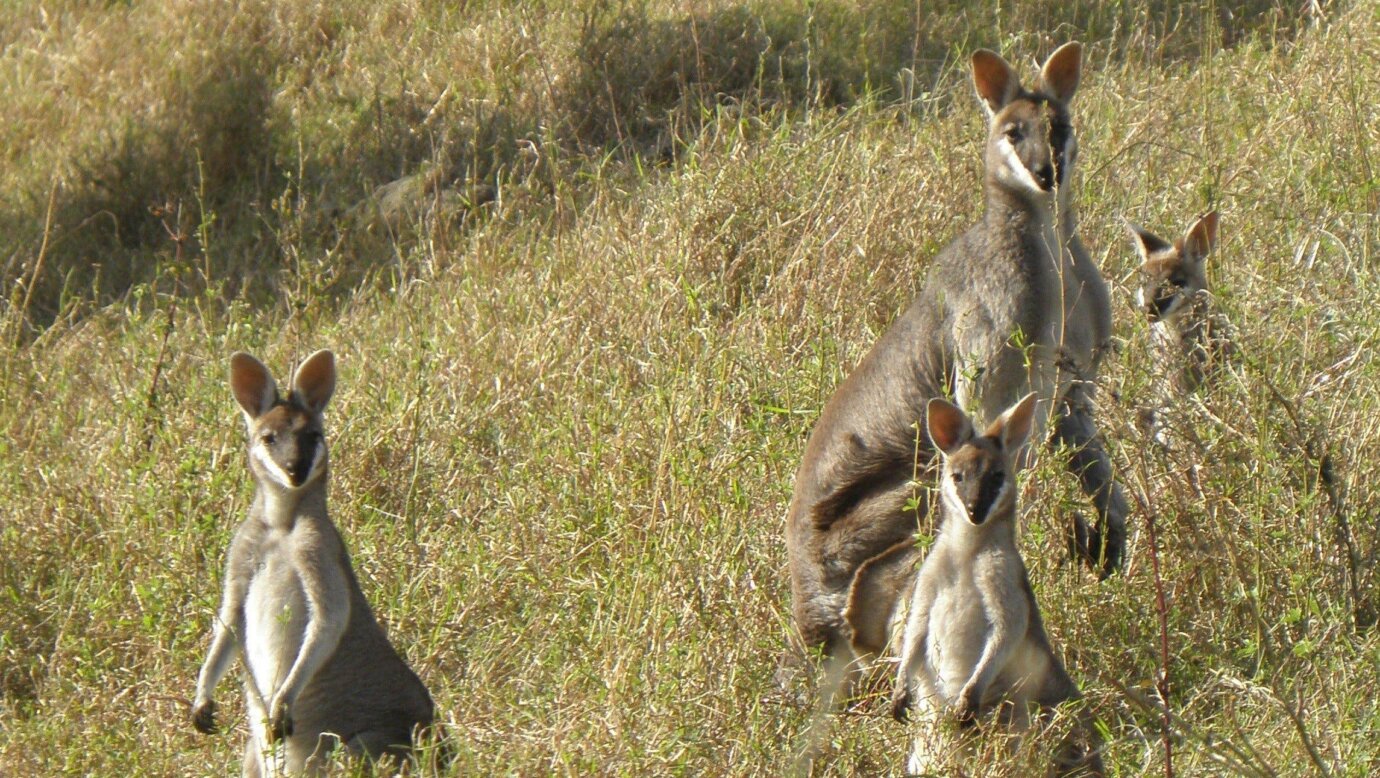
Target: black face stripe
306 455
988 488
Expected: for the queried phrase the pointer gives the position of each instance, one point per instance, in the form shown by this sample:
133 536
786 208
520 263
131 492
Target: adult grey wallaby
1014 304
974 641
318 669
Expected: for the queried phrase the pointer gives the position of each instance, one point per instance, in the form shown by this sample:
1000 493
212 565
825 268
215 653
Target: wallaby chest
977 593
276 611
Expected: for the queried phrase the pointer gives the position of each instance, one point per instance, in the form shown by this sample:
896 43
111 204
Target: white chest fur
276 617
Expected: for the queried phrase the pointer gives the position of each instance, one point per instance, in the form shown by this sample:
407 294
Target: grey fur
1003 310
1189 341
318 669
974 642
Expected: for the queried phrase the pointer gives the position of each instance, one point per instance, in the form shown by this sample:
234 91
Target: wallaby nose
299 473
1045 175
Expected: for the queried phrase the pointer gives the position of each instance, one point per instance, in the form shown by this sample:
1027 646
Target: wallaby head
287 444
1172 274
1031 146
977 480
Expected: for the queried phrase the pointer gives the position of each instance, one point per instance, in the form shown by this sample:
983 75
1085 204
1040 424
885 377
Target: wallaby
1188 339
1013 304
318 669
974 641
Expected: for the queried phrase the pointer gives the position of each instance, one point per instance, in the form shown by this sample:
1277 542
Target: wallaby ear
1013 426
1201 237
1059 77
252 384
994 79
1147 243
314 381
947 425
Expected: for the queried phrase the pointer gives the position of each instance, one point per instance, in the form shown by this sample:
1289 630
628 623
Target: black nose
1045 175
299 473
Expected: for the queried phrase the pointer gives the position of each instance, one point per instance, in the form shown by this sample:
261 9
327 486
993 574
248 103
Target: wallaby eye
1014 134
957 477
268 438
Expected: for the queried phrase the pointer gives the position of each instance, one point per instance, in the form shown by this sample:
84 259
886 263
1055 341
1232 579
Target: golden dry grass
569 418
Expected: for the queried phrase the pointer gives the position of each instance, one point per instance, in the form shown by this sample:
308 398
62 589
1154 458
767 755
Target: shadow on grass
216 182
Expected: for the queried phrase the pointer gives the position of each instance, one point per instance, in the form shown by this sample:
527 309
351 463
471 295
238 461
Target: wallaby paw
900 704
968 707
280 725
204 718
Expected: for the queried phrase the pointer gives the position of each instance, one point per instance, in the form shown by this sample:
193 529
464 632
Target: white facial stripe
949 494
275 472
1014 170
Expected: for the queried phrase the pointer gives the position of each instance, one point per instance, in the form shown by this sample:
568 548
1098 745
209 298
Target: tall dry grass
570 413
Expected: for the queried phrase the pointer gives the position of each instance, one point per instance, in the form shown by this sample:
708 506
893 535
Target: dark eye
957 477
1014 134
268 438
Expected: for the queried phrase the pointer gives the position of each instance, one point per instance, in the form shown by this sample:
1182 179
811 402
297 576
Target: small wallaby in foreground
318 669
1188 338
974 641
1014 304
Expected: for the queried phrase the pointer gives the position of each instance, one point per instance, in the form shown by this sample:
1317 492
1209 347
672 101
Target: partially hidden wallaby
1188 339
318 669
974 642
1012 305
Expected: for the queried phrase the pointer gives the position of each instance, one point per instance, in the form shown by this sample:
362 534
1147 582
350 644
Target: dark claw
281 725
204 718
900 705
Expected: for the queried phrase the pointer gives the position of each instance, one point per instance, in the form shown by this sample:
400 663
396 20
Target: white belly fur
275 622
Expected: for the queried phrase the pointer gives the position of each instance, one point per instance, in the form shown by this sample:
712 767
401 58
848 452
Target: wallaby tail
880 583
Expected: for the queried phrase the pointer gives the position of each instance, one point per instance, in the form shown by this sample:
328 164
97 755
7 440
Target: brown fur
1019 274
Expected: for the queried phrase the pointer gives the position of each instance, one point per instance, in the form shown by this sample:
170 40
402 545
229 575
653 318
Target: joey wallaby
1188 339
318 669
1014 304
974 641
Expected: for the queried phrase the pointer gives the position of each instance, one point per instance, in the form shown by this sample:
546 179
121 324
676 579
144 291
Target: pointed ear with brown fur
314 382
1147 243
252 384
1201 237
1014 425
1062 71
947 425
994 79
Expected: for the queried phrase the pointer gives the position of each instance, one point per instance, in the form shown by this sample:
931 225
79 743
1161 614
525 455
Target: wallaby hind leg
376 744
308 755
880 585
1079 754
1074 428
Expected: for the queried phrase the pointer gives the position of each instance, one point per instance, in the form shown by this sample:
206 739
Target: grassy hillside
643 245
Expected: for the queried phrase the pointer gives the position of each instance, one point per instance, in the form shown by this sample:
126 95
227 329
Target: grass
571 406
